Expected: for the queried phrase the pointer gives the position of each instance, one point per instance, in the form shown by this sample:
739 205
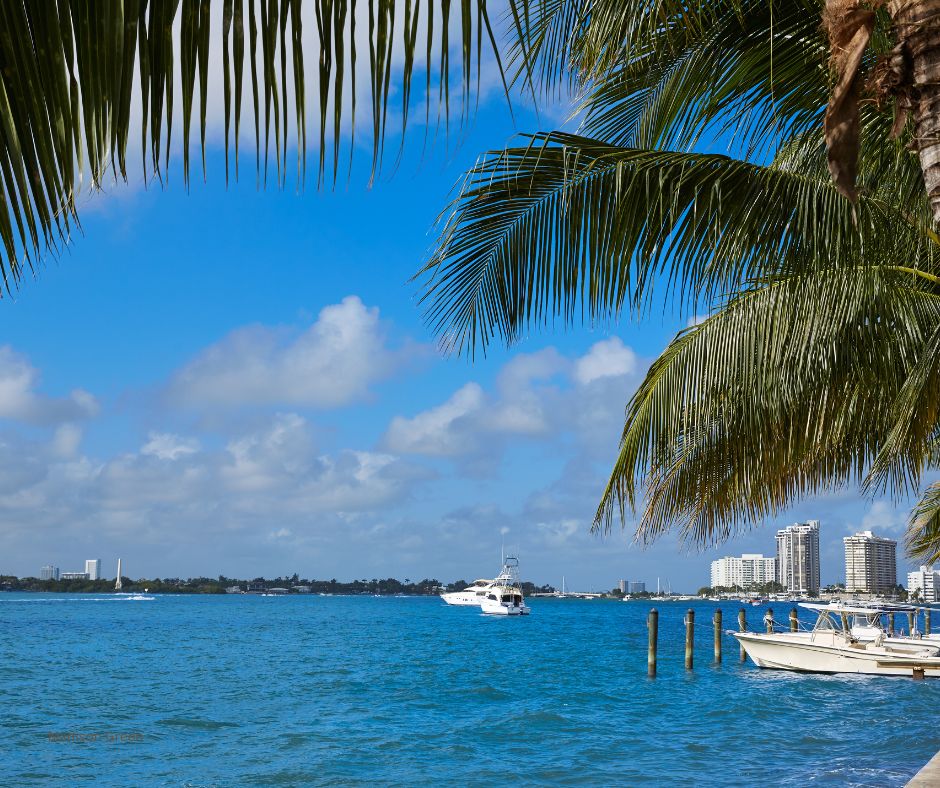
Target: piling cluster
652 626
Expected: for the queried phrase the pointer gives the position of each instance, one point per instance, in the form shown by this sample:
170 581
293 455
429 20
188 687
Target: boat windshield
825 623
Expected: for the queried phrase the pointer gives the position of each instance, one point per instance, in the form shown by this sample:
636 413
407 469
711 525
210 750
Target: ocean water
311 690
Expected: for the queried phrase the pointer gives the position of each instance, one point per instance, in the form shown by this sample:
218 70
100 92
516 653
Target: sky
241 382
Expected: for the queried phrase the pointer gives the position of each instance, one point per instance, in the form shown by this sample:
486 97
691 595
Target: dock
929 776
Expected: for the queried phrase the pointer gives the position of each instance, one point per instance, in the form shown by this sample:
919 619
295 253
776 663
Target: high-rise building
637 587
49 572
798 558
870 563
93 568
751 569
927 582
632 586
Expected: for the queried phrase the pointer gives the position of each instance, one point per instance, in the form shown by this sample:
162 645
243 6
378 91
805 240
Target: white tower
117 583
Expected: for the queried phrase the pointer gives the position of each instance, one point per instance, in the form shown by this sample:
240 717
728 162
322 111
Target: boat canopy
838 607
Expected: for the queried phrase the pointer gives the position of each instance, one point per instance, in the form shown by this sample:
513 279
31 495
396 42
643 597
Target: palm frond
570 227
752 72
68 73
923 530
785 392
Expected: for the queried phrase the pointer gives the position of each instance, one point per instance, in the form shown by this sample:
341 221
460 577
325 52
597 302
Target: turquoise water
292 691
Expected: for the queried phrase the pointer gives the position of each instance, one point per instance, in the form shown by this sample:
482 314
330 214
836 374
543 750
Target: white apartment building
93 568
49 572
925 580
871 564
751 569
798 558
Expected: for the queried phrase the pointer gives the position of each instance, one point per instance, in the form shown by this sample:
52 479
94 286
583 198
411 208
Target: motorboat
831 647
472 595
504 597
864 622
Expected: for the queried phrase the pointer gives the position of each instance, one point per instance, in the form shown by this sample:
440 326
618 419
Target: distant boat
504 597
500 596
471 596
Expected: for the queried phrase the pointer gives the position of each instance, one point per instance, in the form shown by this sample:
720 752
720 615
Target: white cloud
268 486
537 395
330 364
165 446
609 358
884 518
19 400
66 440
438 431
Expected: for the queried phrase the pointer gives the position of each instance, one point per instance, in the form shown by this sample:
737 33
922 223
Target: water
291 691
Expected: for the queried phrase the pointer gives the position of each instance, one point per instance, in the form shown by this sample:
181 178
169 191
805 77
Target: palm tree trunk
918 29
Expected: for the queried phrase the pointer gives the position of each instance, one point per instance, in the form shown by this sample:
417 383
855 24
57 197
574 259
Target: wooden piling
769 620
890 623
717 622
689 635
918 673
742 626
652 624
910 623
927 621
794 620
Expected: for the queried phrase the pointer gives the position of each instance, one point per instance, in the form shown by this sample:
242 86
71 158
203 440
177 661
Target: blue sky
240 382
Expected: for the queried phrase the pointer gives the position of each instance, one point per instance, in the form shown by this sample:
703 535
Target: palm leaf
785 392
574 228
923 534
68 72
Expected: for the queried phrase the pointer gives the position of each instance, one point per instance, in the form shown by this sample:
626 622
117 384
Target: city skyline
869 562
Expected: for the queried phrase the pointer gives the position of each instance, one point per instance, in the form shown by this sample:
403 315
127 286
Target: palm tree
76 78
904 75
819 363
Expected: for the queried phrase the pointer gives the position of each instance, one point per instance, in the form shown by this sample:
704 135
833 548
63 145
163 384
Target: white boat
505 598
831 647
865 623
473 594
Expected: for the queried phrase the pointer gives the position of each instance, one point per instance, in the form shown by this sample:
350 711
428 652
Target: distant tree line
772 587
205 585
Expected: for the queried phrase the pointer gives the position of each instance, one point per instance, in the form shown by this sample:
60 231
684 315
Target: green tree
818 362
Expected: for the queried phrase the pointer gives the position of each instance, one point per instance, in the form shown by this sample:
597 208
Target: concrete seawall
929 776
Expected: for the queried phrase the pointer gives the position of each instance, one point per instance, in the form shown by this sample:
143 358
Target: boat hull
804 655
462 598
491 608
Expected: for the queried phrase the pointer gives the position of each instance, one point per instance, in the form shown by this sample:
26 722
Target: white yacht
472 595
831 647
504 597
